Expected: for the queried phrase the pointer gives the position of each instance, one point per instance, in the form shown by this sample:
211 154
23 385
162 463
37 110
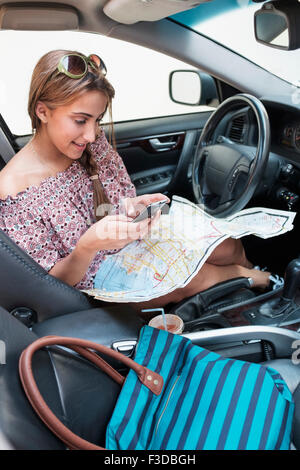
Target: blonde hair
56 89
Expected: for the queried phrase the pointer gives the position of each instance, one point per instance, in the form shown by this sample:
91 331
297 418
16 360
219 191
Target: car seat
81 396
25 284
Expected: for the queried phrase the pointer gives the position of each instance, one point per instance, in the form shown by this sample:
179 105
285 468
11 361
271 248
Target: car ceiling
195 49
90 13
104 14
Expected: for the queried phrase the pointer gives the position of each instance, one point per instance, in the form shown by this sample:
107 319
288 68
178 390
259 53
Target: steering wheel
225 173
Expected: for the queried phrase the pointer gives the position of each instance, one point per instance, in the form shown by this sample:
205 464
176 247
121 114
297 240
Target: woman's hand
113 232
134 206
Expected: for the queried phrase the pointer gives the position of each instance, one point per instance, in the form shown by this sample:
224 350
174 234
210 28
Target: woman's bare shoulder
13 178
8 184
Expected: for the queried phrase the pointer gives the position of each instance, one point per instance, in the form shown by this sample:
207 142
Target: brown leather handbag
150 379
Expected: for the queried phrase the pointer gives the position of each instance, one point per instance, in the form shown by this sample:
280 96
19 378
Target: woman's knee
202 281
231 251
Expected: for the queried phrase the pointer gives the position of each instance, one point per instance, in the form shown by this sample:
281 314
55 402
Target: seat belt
6 149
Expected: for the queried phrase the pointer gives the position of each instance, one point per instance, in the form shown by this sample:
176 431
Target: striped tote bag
207 402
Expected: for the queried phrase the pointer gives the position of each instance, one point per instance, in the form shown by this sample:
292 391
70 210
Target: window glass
140 76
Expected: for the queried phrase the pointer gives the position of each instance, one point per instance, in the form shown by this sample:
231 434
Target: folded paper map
176 249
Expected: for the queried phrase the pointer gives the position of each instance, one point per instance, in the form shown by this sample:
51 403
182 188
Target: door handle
159 146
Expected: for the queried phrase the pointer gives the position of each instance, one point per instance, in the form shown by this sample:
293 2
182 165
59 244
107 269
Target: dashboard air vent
237 128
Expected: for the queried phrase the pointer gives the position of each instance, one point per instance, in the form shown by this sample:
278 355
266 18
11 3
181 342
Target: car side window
139 75
141 80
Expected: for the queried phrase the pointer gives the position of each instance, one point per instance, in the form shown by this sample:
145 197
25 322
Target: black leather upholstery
101 325
79 394
17 421
24 283
105 326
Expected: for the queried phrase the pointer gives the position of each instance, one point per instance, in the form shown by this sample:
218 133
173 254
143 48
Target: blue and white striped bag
207 401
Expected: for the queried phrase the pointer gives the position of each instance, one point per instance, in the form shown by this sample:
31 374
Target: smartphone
150 210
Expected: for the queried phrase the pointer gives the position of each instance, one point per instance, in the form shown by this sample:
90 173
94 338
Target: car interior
256 117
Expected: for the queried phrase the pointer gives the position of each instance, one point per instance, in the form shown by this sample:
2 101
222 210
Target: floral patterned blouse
47 220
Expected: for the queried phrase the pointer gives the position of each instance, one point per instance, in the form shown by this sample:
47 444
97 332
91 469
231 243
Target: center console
233 303
243 309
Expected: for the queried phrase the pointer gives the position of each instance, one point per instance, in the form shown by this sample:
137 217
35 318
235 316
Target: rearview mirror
277 24
192 88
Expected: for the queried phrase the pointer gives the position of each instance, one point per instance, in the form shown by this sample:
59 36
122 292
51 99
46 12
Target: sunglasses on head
76 65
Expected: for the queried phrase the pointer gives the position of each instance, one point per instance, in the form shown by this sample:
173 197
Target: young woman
51 189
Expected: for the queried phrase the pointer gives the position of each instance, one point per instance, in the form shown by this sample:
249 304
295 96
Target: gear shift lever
280 305
291 279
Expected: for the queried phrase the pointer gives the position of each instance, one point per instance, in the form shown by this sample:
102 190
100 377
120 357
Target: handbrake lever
193 307
223 288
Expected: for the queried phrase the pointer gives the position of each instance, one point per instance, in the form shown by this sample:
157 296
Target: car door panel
157 152
151 170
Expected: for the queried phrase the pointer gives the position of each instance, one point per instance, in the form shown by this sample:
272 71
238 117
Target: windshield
231 23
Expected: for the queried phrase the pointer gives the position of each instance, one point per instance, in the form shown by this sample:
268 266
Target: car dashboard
280 184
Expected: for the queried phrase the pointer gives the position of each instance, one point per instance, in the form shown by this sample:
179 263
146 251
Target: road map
176 249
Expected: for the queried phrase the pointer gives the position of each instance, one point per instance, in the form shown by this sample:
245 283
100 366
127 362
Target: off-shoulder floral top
47 220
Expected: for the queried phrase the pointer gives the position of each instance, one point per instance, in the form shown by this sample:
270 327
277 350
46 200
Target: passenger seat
6 149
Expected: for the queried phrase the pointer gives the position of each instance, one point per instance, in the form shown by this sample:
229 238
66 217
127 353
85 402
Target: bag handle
150 379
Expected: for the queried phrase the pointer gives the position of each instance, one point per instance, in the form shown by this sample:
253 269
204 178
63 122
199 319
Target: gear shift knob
283 305
291 279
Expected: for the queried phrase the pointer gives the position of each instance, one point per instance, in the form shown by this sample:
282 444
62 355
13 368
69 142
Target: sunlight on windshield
234 28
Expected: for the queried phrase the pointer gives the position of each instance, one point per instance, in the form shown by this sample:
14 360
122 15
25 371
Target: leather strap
150 379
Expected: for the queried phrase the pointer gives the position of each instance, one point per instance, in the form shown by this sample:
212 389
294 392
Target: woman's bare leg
231 251
208 276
